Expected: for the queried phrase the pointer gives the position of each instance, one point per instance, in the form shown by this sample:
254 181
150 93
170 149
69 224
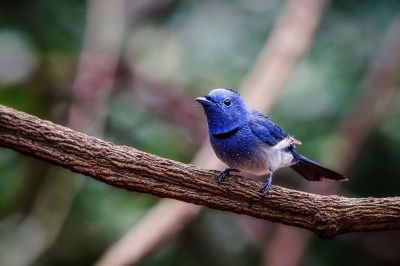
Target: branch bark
134 170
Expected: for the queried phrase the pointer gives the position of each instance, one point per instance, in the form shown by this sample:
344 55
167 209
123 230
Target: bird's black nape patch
232 90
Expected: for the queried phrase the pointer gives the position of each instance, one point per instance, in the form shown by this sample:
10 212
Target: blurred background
128 72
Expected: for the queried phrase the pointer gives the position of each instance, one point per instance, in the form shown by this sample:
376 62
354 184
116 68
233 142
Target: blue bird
246 140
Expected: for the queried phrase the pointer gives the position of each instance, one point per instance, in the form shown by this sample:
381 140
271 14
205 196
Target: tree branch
134 170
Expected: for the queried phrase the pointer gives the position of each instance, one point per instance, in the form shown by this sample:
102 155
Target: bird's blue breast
239 149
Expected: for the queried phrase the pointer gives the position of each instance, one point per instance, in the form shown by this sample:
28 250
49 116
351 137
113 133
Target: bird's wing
265 129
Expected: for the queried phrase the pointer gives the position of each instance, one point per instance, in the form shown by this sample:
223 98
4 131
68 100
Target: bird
246 140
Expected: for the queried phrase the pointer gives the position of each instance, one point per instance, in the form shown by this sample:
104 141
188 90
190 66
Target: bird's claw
225 173
266 186
264 190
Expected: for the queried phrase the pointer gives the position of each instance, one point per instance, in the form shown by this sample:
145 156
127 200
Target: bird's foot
226 173
266 185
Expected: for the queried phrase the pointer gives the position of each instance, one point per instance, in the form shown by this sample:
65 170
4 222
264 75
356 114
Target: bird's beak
206 101
202 100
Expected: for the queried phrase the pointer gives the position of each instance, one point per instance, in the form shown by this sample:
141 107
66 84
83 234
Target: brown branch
131 169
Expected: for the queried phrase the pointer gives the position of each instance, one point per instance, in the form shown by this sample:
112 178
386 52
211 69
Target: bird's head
225 110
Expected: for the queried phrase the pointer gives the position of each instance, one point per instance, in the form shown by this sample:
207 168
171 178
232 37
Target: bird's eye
227 102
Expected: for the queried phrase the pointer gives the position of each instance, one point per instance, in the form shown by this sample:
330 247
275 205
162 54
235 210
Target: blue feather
265 129
249 141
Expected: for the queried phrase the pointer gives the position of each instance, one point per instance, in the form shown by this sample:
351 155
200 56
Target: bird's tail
313 171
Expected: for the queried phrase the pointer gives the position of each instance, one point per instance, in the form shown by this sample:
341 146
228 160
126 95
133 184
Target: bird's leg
267 185
226 173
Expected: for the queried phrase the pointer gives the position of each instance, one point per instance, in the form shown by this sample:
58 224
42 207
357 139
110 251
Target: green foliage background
196 46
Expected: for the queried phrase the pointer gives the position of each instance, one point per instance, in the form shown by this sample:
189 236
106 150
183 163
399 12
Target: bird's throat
226 134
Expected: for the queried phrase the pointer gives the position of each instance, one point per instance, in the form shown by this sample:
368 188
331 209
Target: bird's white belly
266 159
252 155
277 158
